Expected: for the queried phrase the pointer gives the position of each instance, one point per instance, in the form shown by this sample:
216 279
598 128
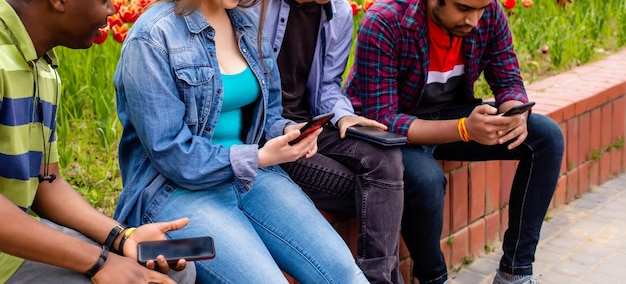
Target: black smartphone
313 125
519 109
376 135
190 249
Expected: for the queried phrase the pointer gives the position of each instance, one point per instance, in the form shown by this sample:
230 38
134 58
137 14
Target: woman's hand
278 151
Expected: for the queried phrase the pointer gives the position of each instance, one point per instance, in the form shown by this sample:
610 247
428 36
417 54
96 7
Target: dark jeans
352 175
534 183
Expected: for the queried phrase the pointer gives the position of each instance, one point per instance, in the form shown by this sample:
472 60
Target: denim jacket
334 40
169 97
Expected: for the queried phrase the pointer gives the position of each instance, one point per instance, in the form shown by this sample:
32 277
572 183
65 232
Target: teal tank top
240 90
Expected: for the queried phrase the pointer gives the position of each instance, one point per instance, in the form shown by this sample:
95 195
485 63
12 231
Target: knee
384 163
548 132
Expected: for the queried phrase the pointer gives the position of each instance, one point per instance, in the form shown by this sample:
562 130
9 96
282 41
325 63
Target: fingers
162 265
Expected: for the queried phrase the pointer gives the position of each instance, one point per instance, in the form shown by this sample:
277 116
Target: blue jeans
534 183
260 231
355 176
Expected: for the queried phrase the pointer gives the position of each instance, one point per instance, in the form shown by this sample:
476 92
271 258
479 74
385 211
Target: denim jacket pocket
195 83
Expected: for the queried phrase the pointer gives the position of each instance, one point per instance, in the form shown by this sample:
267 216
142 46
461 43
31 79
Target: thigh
303 243
240 255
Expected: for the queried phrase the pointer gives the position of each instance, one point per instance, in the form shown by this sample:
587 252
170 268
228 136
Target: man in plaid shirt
415 65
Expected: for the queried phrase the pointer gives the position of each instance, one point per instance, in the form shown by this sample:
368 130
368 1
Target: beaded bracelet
96 267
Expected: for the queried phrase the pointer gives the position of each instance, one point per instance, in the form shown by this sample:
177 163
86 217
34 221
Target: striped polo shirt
29 91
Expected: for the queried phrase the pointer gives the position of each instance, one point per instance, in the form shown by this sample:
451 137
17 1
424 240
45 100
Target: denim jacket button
219 91
168 189
244 50
207 129
144 220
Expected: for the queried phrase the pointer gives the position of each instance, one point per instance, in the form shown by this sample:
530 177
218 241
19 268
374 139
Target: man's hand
118 269
352 120
487 128
154 232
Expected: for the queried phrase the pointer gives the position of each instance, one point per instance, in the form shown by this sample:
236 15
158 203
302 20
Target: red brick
619 119
492 228
477 238
504 221
607 120
605 167
451 165
460 247
572 143
596 127
477 190
594 172
572 185
583 178
564 160
507 172
459 199
584 141
616 161
492 187
559 194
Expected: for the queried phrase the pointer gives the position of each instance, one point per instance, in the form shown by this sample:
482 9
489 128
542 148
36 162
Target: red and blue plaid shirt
390 70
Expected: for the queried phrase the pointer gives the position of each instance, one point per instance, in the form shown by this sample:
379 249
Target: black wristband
121 247
113 234
96 267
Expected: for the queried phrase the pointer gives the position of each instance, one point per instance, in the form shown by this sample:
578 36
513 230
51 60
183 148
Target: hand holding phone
312 125
190 249
518 109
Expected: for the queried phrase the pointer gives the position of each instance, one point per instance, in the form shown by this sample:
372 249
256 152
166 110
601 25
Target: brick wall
588 103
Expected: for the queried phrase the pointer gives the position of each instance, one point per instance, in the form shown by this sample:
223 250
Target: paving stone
583 242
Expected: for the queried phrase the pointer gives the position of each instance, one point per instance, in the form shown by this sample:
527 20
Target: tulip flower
355 8
527 3
508 4
129 13
105 33
120 33
115 20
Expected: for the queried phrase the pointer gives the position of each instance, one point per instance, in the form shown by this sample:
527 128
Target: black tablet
376 135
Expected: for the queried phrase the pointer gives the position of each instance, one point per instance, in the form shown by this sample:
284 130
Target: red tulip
100 39
527 3
120 32
129 13
115 20
117 4
508 4
355 8
143 3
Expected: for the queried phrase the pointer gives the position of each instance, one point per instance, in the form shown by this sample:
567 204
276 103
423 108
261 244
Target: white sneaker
499 279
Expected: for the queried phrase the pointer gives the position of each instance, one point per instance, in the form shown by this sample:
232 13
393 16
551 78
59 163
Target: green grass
89 130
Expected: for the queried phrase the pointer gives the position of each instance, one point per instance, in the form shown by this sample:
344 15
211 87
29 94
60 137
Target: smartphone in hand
313 125
190 249
518 109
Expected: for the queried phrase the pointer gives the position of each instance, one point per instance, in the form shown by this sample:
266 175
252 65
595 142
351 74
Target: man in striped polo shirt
63 241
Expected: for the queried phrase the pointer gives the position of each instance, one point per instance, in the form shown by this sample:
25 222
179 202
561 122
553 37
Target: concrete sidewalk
581 242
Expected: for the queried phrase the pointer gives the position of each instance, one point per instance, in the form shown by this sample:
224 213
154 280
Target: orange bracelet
462 130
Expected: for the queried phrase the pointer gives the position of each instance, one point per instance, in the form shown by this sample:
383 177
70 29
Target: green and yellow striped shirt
29 91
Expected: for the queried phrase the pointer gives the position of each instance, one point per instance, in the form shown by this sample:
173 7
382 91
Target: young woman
203 134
